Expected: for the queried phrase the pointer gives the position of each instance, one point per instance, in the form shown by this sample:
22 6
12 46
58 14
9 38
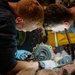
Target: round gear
42 52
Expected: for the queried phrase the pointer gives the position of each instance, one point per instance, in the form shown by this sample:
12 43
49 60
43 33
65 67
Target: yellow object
61 38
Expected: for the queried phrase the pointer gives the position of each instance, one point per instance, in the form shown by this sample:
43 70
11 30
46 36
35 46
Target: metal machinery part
71 49
42 52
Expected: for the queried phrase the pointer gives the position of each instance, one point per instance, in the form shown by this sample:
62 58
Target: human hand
57 58
22 54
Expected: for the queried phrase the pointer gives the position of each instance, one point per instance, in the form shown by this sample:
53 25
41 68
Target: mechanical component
42 52
71 50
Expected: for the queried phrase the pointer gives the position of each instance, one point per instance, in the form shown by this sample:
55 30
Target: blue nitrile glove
22 54
65 60
48 64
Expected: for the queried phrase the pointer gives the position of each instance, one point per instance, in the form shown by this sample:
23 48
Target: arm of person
23 65
47 64
27 72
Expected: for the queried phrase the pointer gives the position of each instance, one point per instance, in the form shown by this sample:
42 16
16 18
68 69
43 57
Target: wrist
35 65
